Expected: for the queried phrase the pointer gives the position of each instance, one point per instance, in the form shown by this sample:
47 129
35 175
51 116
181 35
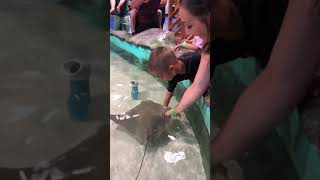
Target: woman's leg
125 23
163 9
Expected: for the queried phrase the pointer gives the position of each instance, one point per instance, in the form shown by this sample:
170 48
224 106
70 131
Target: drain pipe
78 73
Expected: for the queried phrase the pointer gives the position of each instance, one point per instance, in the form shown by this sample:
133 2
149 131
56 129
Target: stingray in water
144 121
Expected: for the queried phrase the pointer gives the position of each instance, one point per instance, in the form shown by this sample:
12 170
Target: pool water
126 153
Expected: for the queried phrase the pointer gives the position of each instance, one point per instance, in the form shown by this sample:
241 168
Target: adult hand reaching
111 11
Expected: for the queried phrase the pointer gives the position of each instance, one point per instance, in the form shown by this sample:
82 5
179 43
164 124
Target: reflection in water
86 161
79 96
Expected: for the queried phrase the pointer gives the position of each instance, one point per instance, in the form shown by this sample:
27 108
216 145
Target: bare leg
160 18
133 15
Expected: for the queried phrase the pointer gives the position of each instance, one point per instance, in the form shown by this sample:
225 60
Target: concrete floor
37 36
126 153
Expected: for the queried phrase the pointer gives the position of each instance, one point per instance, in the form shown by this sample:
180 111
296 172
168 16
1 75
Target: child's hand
164 110
172 112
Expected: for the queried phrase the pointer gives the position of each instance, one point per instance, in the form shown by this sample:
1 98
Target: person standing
120 10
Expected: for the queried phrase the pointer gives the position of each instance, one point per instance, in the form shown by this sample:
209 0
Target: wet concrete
37 37
127 153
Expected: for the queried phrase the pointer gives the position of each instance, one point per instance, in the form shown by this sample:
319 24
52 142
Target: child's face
165 75
168 76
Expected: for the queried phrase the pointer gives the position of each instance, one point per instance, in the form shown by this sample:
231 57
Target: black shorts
144 26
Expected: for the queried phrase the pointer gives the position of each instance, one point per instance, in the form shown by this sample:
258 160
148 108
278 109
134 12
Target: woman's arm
280 86
112 6
199 85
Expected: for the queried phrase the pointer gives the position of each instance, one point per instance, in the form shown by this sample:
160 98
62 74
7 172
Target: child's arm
280 87
112 6
166 101
198 87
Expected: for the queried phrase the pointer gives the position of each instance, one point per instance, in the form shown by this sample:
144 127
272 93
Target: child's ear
172 68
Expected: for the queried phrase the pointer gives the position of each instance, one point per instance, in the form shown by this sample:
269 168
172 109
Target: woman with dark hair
280 34
194 15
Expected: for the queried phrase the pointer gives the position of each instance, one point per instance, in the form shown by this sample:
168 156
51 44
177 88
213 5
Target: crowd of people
135 16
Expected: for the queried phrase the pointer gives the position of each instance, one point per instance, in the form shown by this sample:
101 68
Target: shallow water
126 153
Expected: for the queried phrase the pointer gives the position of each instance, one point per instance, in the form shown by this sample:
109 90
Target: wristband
184 44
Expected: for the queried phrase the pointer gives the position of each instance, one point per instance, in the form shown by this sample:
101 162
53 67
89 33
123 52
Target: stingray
143 122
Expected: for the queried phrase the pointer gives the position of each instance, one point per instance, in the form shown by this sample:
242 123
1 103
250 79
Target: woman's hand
111 11
118 9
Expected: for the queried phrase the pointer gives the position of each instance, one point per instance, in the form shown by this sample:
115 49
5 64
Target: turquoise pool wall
142 53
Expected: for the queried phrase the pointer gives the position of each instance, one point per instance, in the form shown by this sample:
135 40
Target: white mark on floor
136 115
22 112
29 140
125 98
31 73
171 157
77 97
172 137
115 97
56 174
41 165
83 171
50 115
22 175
